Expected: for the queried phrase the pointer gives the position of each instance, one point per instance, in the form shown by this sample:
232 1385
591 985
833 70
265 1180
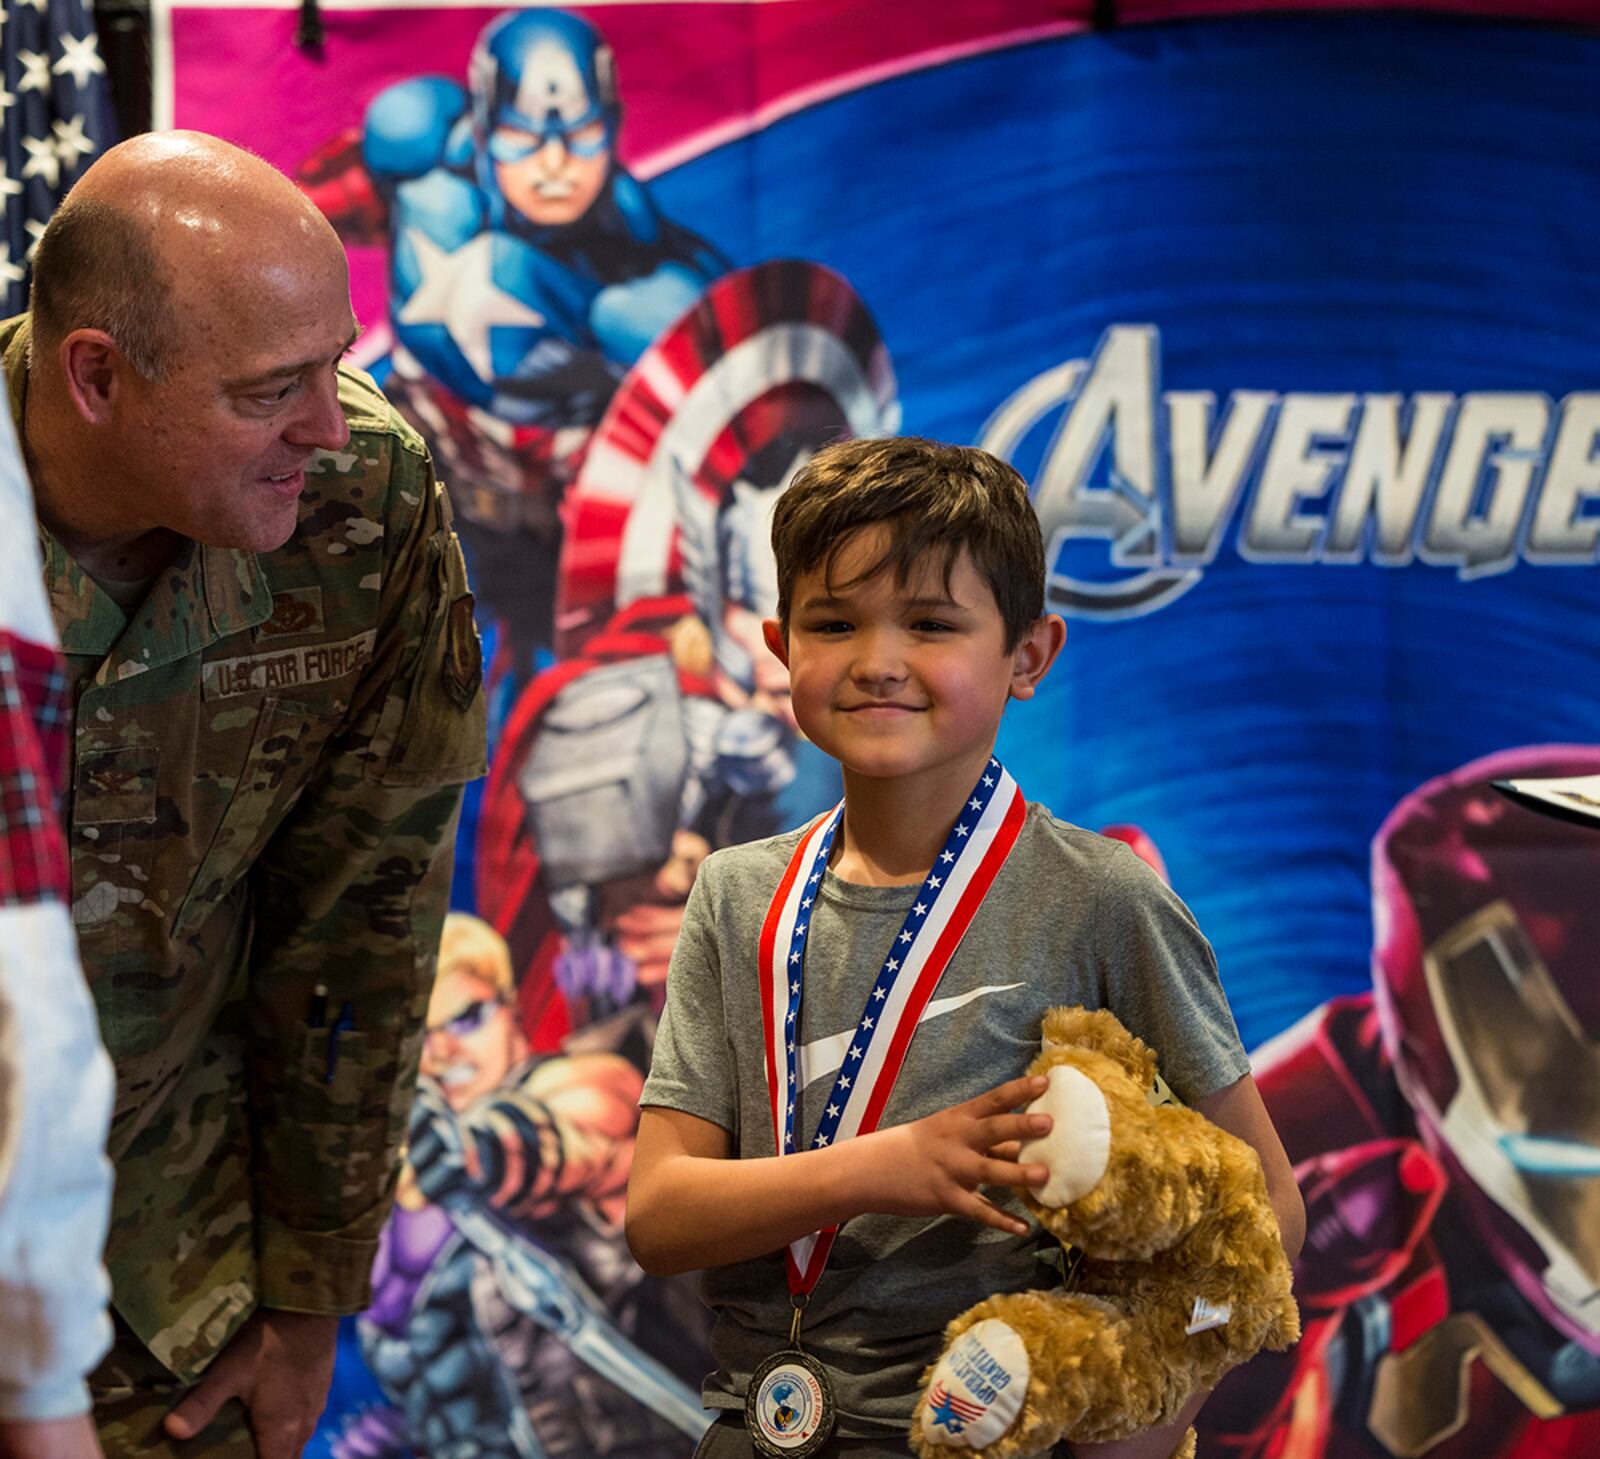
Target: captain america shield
780 358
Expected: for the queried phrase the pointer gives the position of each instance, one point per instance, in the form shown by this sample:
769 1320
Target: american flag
56 103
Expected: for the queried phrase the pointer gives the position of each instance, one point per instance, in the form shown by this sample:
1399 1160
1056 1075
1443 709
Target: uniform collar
170 623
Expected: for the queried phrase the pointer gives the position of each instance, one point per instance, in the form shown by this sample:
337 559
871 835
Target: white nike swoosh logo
821 1058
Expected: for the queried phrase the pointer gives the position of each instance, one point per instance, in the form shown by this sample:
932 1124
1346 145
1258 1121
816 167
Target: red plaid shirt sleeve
33 699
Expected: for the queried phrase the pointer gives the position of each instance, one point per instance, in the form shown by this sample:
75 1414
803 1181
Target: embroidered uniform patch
295 612
463 655
312 663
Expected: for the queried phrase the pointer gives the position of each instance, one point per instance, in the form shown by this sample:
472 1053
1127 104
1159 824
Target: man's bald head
162 222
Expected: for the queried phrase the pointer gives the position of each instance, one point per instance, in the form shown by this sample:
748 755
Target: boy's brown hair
932 499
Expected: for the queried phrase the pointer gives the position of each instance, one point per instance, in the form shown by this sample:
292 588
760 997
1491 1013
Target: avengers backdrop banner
1291 321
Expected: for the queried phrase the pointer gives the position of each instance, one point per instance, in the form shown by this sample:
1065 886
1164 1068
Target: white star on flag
855 1053
893 965
816 876
794 956
8 99
458 291
806 903
9 271
70 142
988 780
962 830
975 803
794 987
833 1110
800 927
920 910
866 1023
9 186
880 994
844 1081
36 72
934 881
820 1141
905 937
42 160
791 1015
35 230
947 856
80 59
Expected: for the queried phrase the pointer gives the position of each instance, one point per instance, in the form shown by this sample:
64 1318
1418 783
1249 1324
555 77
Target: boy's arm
1238 1109
690 1205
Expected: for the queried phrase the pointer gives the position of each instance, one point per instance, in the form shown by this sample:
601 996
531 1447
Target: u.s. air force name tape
978 1387
312 663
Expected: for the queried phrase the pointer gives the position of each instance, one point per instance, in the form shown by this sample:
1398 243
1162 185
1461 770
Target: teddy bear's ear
1100 1030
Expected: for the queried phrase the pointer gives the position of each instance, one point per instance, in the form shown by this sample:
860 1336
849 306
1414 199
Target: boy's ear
777 641
1034 655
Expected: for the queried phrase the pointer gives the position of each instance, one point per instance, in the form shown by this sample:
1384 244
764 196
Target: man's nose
552 154
320 422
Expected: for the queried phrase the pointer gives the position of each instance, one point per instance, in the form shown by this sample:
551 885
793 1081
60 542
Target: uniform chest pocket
283 754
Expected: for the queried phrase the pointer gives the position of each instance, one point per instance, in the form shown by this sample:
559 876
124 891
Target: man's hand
57 1438
279 1364
937 1164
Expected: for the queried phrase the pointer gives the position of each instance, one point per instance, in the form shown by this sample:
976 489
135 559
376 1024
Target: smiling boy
911 580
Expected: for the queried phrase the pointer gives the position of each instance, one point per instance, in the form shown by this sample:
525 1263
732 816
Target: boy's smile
905 681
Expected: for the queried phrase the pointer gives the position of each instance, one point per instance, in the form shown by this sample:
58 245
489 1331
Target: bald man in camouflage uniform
276 700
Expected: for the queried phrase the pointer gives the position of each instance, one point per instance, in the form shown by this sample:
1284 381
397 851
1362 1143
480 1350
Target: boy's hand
936 1165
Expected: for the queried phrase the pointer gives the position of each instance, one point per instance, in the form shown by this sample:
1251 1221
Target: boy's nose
878 660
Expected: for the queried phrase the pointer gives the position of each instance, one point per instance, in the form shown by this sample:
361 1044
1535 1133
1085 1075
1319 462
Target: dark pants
727 1439
132 1393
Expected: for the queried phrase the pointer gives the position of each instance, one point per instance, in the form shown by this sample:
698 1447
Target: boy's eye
932 625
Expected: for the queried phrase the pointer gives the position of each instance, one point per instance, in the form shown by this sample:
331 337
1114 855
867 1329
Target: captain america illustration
1446 1135
528 269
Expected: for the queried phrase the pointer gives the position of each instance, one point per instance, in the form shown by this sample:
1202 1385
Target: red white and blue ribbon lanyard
945 905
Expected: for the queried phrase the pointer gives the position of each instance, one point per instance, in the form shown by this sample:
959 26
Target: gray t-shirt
1072 918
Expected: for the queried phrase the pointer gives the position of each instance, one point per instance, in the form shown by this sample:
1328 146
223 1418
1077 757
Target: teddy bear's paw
976 1392
1078 1147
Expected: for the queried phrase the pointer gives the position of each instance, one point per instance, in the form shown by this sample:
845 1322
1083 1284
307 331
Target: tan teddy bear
1176 1270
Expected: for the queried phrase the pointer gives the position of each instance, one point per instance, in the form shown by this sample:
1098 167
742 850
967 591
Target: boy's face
905 681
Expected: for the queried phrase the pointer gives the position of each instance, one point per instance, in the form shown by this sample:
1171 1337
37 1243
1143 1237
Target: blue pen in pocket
344 1023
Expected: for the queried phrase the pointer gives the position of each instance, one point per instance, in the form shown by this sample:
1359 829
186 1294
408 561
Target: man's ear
1034 655
92 366
776 639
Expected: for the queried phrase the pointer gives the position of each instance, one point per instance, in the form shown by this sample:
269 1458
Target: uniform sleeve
55 1079
349 898
691 1063
1159 976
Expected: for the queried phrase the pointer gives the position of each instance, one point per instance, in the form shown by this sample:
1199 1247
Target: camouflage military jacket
266 762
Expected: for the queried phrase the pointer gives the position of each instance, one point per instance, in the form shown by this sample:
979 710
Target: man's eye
277 397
